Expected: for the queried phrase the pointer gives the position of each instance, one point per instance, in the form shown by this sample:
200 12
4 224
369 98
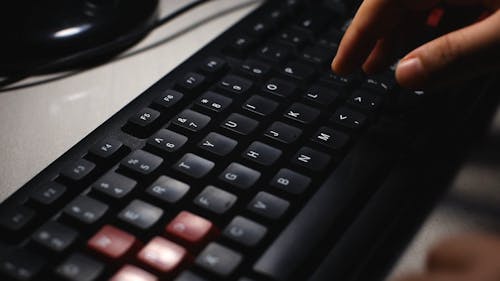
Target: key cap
338 81
290 181
168 99
107 148
302 113
85 210
245 231
255 69
293 37
283 132
194 231
141 162
192 82
214 102
260 105
298 71
191 120
240 46
78 170
331 40
274 53
314 22
79 267
348 118
213 66
381 84
364 100
311 159
168 189
55 236
189 276
48 194
321 96
167 141
16 219
114 185
133 273
279 88
331 138
194 166
140 214
318 55
215 200
233 84
112 243
268 206
162 255
262 153
219 260
240 176
240 124
218 144
144 121
21 264
260 29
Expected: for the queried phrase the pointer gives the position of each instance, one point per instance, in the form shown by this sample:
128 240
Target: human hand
473 257
370 39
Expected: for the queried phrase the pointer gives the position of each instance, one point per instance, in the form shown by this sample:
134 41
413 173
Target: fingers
472 50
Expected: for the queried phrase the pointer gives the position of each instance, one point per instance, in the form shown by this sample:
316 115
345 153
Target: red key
191 229
162 255
132 273
112 243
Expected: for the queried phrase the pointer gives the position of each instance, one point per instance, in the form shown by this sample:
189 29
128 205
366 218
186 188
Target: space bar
360 169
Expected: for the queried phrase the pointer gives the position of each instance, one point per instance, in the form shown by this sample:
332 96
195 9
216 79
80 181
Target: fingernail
410 72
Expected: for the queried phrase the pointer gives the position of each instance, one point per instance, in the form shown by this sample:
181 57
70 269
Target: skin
377 28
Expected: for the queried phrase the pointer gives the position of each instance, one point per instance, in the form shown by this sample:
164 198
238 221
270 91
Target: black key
191 120
331 138
214 101
194 166
279 87
276 16
297 70
365 100
262 153
314 21
107 148
22 265
268 206
15 219
168 99
48 194
255 68
78 170
293 37
189 276
338 81
382 83
213 66
311 159
167 141
302 113
235 85
79 267
290 181
283 132
245 231
331 40
260 105
321 96
241 45
140 214
192 82
142 162
215 200
85 210
168 189
144 119
114 185
55 236
260 29
348 118
274 53
218 144
317 55
240 176
218 260
240 124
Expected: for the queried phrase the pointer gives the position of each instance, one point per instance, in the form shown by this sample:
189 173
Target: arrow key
268 206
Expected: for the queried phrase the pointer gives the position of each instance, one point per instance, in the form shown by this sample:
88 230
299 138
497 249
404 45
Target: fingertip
410 73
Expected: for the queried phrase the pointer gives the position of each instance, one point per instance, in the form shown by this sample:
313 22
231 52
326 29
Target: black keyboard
250 161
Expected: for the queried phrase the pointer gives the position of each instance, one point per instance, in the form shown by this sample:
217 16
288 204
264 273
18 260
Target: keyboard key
213 66
79 267
235 85
245 231
78 170
191 120
215 200
48 194
140 214
290 181
338 81
194 166
331 138
260 105
168 99
168 189
194 231
162 255
133 273
240 46
112 243
314 21
302 113
85 210
15 219
318 55
331 40
311 159
145 119
297 70
219 260
255 68
55 236
260 29
365 100
348 118
283 132
262 153
192 82
167 141
321 96
218 144
279 88
382 83
189 276
268 206
240 124
214 102
240 176
293 37
141 162
22 265
114 185
107 148
274 53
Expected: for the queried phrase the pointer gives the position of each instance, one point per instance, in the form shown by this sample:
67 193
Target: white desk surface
40 123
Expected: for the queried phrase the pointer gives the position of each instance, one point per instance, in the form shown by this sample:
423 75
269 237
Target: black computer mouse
35 33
